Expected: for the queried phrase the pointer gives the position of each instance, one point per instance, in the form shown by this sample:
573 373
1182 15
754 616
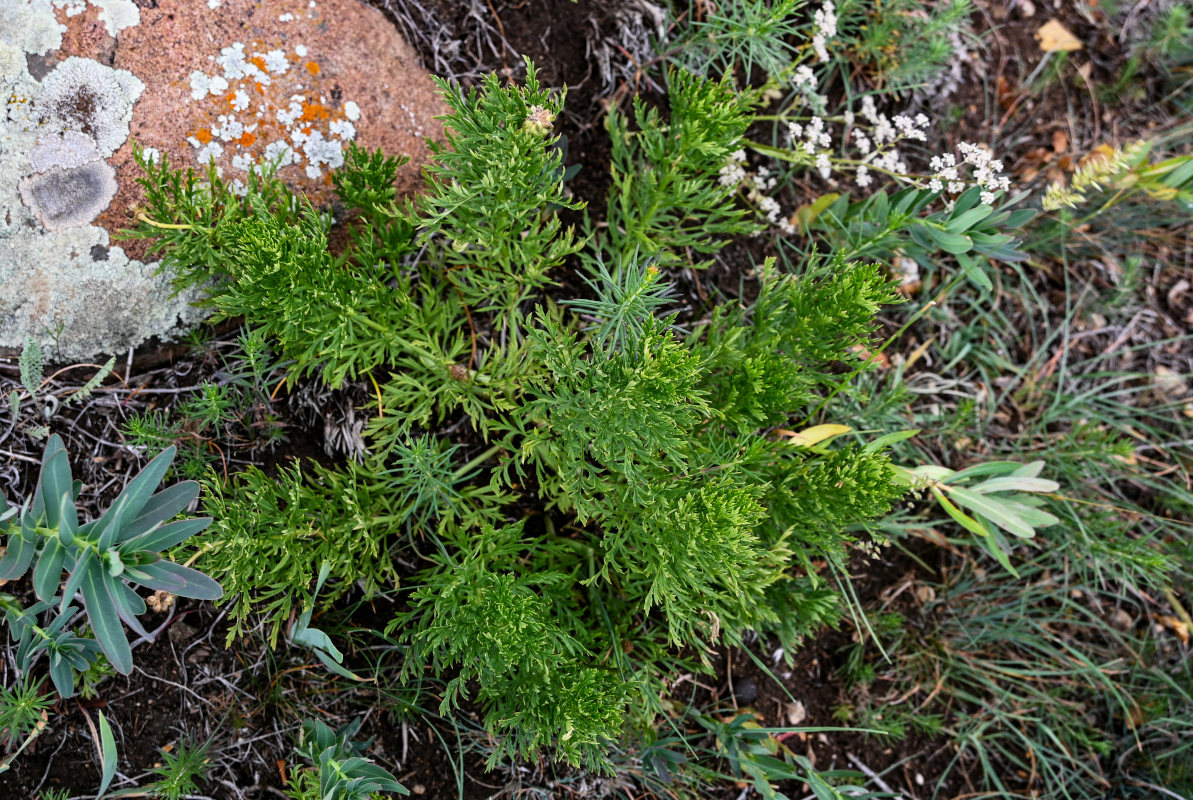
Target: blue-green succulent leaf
104 618
161 508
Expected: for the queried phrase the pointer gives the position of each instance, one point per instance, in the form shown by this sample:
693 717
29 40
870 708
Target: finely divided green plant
742 35
633 501
272 536
180 771
102 558
492 193
902 44
667 198
23 715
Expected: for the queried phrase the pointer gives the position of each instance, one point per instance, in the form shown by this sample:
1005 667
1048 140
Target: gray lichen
87 97
30 26
67 198
64 284
71 149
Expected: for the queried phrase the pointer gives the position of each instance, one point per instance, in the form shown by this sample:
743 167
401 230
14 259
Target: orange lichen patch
203 135
260 88
312 111
230 99
258 62
312 68
247 139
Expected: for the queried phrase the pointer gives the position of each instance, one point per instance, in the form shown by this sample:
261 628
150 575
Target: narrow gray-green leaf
76 577
17 557
109 525
963 222
161 508
129 606
104 618
954 243
986 468
55 484
1031 469
68 520
994 510
166 536
47 575
1012 483
140 489
966 521
176 579
62 673
107 746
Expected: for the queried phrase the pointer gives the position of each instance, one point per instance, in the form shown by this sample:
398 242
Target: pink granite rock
245 80
240 82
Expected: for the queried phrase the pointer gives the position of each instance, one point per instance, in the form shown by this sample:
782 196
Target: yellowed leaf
918 353
814 435
1054 37
1176 626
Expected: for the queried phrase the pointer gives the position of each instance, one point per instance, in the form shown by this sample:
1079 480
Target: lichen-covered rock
63 283
285 81
86 97
239 82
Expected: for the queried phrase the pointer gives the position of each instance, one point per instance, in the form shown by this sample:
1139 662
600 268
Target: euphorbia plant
102 558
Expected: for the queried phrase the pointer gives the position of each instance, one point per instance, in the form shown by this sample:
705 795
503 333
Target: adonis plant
103 560
630 496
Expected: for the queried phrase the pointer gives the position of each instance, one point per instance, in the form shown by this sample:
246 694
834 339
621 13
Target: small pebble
745 690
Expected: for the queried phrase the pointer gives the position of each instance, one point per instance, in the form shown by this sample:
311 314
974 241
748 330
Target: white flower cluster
947 172
826 29
879 143
762 181
734 174
813 139
734 171
804 82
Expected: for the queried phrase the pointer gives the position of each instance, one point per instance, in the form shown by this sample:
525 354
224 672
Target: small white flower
863 176
823 166
825 20
819 45
731 175
869 111
861 141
